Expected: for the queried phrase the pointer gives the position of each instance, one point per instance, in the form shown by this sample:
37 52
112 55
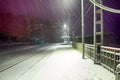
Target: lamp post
65 33
83 35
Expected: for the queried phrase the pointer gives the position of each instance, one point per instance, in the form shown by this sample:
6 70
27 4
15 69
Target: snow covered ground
67 64
61 63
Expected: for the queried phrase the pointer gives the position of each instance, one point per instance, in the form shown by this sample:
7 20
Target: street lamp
66 34
65 26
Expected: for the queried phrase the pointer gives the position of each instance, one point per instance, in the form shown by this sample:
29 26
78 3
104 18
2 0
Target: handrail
110 48
105 7
109 56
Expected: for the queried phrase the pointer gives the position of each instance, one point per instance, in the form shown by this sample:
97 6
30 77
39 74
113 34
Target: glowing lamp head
65 26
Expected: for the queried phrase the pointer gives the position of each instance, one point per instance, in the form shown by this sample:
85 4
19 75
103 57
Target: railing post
117 77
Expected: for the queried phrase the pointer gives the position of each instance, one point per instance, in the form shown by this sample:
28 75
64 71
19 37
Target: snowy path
67 64
61 63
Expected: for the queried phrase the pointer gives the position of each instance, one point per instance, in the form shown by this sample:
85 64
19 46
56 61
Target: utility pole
83 35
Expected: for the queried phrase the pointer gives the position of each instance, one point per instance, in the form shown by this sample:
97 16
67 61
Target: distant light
65 26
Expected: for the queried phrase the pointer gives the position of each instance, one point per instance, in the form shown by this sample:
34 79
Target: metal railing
89 50
109 56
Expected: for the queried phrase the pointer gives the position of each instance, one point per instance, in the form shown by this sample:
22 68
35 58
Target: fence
109 56
89 50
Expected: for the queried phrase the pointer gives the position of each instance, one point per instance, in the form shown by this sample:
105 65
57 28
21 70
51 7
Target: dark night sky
56 11
112 20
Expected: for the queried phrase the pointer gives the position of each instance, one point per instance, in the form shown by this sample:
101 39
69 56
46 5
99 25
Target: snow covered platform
56 62
67 64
